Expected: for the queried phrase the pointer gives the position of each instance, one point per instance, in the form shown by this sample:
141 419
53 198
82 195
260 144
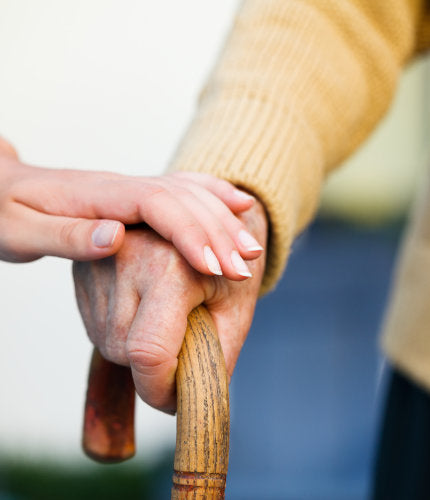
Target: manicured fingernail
211 261
104 234
239 264
248 241
245 196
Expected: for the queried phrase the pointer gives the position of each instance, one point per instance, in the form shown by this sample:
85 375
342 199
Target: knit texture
299 85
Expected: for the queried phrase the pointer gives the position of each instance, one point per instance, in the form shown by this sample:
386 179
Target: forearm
298 87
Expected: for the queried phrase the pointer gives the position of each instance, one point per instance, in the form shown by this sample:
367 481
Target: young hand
80 215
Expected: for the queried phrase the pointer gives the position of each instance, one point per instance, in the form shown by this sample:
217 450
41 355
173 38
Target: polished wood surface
108 434
203 420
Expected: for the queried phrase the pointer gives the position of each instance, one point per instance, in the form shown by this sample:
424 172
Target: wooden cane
108 434
203 415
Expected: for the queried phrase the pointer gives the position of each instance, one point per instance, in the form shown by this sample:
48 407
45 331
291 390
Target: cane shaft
203 418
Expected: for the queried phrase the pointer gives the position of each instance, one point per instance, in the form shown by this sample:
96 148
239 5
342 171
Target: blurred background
109 85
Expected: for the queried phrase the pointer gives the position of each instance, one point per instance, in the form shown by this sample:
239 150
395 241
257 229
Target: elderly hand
135 306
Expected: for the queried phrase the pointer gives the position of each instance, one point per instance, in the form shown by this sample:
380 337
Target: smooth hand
135 306
81 215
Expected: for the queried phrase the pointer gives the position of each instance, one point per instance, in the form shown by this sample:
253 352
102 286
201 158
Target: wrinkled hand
135 306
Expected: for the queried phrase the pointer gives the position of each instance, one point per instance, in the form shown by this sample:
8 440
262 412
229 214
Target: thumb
71 238
154 342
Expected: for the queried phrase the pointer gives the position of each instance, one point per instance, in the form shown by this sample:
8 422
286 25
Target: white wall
100 84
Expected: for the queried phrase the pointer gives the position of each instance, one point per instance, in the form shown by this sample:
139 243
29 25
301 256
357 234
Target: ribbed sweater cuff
268 150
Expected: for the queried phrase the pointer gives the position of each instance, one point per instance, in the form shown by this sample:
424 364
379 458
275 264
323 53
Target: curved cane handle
108 433
203 415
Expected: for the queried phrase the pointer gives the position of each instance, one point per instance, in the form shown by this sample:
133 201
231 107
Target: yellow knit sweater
299 85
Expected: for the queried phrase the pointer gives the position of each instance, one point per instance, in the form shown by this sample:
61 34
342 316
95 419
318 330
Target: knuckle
147 355
217 292
181 191
190 233
175 271
17 188
191 226
175 264
154 190
152 197
115 351
68 233
219 234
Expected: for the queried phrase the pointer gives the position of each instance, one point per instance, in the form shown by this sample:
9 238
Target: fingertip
119 237
240 265
243 196
154 342
153 371
108 236
160 396
234 268
212 261
249 245
239 201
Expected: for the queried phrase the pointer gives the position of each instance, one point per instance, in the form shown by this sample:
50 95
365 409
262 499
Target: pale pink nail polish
104 234
240 265
249 242
211 261
245 196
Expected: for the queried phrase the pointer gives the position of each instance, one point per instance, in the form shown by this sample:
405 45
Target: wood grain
203 414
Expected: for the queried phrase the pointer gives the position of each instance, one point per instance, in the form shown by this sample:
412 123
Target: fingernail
211 260
239 264
245 196
104 234
248 241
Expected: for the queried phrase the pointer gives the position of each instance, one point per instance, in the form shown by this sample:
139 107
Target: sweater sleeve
298 86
